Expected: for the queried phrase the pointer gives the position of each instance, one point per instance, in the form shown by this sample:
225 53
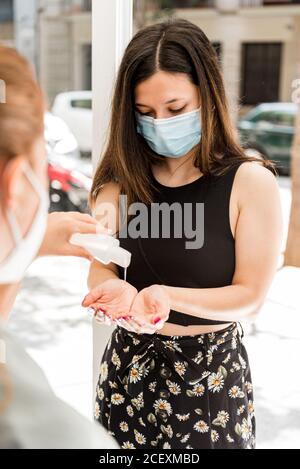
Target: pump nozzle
120 256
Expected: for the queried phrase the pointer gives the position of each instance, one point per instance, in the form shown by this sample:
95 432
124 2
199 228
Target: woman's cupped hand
116 301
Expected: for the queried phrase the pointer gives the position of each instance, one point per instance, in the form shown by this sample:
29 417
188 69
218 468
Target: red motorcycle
69 189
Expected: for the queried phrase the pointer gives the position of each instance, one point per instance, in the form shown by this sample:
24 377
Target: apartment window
87 5
81 104
218 49
87 67
284 118
6 11
261 64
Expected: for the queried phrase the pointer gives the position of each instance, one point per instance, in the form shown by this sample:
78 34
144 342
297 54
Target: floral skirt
157 391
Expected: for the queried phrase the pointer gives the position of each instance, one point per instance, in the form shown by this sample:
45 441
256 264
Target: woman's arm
108 292
258 243
60 227
105 211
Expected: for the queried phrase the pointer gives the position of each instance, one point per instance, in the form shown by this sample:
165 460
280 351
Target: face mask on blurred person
172 137
12 269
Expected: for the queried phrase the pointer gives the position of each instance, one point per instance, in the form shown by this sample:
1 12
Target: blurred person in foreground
31 416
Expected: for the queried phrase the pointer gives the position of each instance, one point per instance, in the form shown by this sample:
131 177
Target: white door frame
112 29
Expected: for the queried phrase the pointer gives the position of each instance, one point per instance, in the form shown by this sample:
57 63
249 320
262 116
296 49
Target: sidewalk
56 331
273 347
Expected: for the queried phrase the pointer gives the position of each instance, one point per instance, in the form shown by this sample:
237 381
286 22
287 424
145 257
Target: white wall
111 32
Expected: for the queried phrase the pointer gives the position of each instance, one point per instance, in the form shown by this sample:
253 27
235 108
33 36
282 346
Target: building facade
64 46
258 41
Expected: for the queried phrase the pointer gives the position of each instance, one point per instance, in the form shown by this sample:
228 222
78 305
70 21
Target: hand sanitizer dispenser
102 247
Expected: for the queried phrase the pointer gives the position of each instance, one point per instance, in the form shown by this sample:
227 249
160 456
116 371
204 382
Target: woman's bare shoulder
253 182
254 169
109 192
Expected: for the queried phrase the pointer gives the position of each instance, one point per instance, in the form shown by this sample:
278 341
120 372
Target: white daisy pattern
215 382
135 373
152 386
173 387
130 411
162 405
139 437
214 436
180 367
235 392
97 411
201 426
100 393
116 359
127 445
117 398
124 427
198 390
103 372
192 392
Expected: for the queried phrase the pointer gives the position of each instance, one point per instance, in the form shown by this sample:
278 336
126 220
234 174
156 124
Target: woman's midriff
175 329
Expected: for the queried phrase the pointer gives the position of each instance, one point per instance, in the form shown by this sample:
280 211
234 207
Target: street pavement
57 332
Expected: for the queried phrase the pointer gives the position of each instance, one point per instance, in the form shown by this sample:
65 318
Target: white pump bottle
103 247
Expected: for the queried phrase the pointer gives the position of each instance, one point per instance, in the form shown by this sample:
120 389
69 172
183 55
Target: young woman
177 374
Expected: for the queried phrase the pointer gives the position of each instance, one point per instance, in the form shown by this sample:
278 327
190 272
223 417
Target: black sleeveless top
167 261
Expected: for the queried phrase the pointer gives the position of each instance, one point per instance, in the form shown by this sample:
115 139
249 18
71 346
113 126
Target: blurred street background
258 46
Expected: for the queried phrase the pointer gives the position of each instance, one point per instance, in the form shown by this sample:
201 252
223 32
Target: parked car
60 140
269 129
70 177
75 108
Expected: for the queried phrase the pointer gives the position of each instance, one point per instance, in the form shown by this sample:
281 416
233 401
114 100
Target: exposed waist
170 329
186 320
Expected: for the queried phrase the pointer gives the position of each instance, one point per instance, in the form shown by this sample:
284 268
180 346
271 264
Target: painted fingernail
99 318
119 322
99 312
126 325
156 320
91 311
108 320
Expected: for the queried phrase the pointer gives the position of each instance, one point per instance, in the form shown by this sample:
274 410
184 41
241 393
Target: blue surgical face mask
172 137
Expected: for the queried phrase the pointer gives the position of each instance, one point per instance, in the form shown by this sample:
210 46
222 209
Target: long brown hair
21 115
175 45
